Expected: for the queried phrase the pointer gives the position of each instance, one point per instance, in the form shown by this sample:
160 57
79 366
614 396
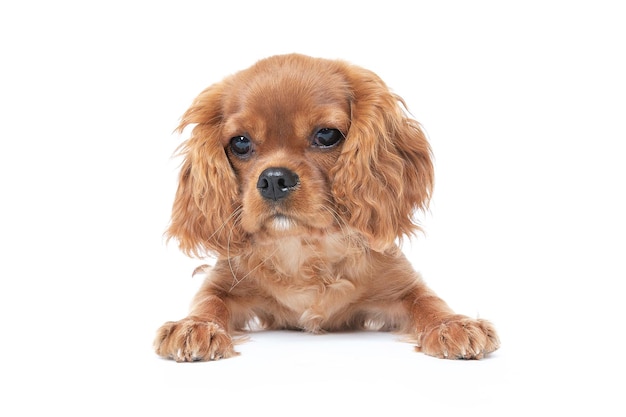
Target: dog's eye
326 138
240 145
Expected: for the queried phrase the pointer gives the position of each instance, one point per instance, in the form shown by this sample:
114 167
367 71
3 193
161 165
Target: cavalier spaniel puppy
300 176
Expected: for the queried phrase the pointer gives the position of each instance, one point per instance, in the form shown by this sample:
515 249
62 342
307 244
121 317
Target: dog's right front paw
189 340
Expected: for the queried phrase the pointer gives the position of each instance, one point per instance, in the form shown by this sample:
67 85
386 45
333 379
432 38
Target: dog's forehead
289 84
287 98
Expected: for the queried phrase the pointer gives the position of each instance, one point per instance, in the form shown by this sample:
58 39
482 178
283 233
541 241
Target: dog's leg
201 336
444 334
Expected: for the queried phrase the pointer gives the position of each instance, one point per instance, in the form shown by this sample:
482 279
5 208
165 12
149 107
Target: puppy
300 176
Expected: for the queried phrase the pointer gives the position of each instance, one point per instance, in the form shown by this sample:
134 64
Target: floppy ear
385 171
205 207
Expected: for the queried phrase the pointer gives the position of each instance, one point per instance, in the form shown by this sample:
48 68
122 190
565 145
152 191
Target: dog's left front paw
459 337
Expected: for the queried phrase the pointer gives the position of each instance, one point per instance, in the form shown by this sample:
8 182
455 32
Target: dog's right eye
240 145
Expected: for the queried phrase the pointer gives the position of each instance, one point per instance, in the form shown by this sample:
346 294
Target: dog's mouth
277 224
280 222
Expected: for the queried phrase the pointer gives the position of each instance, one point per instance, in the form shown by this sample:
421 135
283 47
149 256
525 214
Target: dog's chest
309 279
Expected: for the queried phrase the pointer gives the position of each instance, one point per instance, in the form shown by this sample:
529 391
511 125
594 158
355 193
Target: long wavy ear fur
206 202
385 170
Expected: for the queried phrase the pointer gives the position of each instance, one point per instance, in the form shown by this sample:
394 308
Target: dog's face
283 134
298 146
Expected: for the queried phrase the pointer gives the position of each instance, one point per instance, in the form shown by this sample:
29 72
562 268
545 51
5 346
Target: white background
524 104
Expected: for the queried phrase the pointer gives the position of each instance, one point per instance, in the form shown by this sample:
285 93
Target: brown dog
300 175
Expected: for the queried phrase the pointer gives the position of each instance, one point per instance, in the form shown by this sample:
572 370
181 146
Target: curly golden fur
300 175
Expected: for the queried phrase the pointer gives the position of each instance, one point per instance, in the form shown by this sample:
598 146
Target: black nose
276 183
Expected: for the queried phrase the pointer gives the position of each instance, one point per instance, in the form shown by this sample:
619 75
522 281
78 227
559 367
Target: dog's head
298 146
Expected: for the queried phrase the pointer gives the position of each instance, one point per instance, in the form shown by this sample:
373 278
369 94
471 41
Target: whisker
349 237
235 212
237 281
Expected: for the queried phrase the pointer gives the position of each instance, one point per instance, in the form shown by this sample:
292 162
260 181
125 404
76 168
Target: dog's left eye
326 138
240 145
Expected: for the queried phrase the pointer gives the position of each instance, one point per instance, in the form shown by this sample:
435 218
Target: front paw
189 340
459 337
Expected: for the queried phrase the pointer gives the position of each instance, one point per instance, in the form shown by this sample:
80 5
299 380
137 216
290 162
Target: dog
301 176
